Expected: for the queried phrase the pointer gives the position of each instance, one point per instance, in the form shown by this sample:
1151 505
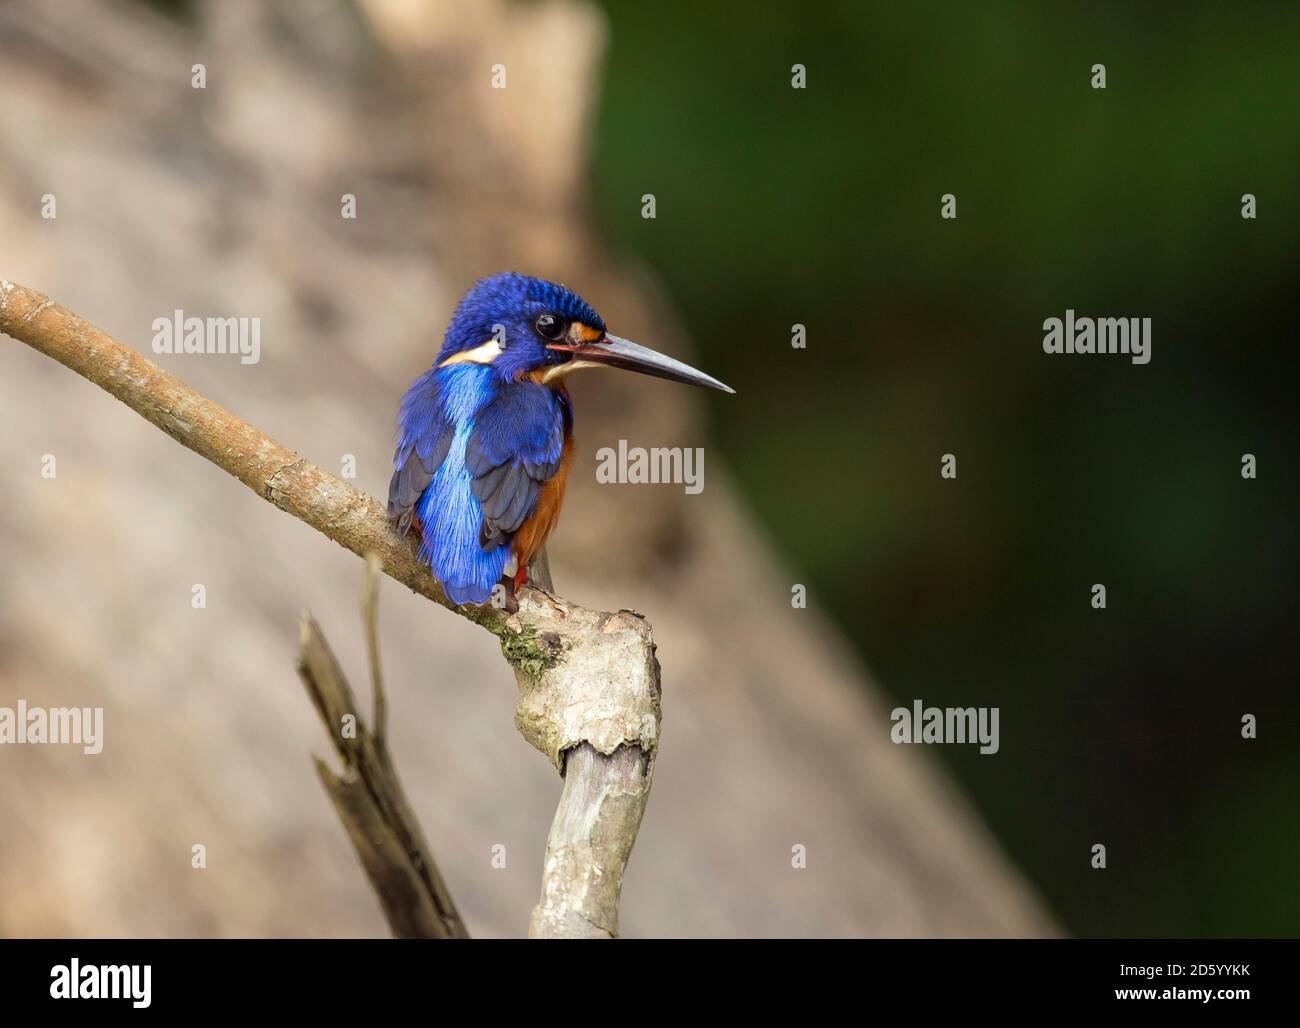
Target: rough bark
590 842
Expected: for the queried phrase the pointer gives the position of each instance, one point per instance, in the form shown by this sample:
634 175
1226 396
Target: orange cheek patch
580 333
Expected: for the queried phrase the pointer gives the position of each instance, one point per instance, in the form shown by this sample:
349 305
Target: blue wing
514 448
471 458
424 437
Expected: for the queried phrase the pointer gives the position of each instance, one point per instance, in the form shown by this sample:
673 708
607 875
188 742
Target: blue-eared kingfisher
485 436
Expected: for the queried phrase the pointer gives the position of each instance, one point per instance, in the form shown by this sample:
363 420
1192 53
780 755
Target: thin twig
370 617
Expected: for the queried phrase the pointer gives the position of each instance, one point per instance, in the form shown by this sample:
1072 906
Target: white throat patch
558 371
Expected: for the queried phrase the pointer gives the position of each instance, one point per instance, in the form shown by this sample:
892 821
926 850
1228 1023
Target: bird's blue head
528 328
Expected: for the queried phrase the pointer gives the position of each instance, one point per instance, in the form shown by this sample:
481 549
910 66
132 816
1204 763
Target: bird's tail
450 517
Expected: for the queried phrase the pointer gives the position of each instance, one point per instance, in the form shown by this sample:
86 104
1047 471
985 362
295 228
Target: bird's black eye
550 327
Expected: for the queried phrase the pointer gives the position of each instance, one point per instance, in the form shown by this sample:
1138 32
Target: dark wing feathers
514 448
424 439
415 467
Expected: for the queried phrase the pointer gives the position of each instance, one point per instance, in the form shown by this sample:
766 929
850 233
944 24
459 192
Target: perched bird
485 436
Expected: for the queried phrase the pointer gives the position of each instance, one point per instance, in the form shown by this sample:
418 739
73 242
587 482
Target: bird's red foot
521 577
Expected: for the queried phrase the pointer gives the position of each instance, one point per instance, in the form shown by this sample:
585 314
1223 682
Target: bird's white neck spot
485 353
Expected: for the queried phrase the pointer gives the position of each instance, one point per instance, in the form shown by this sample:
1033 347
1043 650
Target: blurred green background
820 206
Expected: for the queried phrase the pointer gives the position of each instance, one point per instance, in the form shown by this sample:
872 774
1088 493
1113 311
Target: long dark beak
623 353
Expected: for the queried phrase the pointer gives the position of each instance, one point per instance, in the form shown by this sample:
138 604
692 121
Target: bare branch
597 820
598 817
370 801
586 678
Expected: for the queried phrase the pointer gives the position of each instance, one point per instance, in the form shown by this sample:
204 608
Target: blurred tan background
224 201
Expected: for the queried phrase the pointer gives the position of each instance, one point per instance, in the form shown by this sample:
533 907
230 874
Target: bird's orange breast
531 535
